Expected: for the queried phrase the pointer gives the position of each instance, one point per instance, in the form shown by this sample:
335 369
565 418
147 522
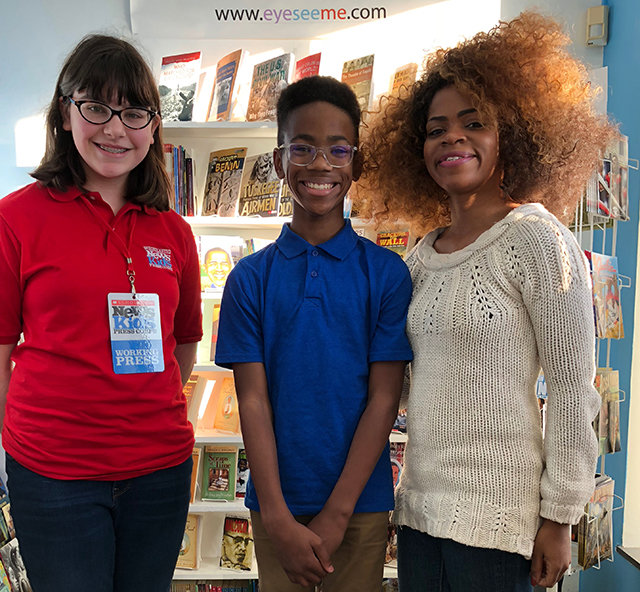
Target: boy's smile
318 188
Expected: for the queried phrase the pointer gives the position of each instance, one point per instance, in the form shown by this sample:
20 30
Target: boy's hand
302 553
551 554
330 528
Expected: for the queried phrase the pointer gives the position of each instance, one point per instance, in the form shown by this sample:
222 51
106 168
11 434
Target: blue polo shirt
316 317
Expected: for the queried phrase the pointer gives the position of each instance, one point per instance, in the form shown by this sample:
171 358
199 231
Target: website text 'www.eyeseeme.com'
276 16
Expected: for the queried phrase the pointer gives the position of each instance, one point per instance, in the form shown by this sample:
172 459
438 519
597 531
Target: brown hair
106 68
518 75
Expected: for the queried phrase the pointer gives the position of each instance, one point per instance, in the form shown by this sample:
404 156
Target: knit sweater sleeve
556 290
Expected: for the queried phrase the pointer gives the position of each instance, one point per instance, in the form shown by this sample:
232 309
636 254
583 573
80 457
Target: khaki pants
358 562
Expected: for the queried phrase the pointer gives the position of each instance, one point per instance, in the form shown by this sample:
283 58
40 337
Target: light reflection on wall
30 137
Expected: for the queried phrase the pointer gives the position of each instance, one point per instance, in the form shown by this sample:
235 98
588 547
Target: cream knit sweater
481 323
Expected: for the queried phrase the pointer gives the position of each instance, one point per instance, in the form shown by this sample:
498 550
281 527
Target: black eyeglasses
337 156
134 118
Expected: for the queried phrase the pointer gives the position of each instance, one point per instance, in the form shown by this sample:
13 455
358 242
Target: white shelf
390 572
217 437
234 507
220 129
209 570
247 222
210 368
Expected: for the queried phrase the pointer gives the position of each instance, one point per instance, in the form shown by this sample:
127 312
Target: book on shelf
595 529
5 586
193 392
215 323
237 544
180 168
391 553
268 80
400 424
309 66
178 85
358 74
196 455
242 475
260 187
607 194
255 244
396 453
226 86
8 520
607 423
394 241
14 567
190 554
222 185
606 296
227 417
218 255
219 473
404 76
285 205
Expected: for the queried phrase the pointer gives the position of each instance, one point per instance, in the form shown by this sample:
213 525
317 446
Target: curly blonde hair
520 76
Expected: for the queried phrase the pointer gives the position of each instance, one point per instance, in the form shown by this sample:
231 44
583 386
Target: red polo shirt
68 415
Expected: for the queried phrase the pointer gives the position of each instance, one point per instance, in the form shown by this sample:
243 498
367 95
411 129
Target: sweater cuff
561 514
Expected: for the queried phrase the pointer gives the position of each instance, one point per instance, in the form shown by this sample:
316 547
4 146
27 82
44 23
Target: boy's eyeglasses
134 118
337 156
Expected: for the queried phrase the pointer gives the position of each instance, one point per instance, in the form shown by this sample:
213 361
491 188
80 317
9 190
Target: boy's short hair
313 89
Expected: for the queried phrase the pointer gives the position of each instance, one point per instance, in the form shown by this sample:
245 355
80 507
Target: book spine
189 172
176 177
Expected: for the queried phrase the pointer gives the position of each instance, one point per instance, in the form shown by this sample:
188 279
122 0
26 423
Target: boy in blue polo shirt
313 327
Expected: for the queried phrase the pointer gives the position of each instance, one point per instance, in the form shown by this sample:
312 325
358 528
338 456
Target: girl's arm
185 354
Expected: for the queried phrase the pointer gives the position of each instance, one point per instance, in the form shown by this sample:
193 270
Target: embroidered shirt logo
160 258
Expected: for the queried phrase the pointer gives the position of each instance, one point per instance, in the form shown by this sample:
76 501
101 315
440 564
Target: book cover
237 544
391 554
606 296
400 424
267 82
193 391
196 454
177 85
309 66
595 532
394 241
225 86
396 452
219 473
227 416
607 424
218 255
222 185
14 567
404 76
358 75
5 586
189 556
8 520
215 323
260 187
242 476
285 206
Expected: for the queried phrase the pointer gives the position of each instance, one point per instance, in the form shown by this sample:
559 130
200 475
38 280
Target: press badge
136 333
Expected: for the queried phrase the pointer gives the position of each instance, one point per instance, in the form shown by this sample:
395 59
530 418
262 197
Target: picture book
255 244
396 451
222 185
358 75
14 567
391 554
215 321
242 476
608 192
227 417
219 473
8 520
189 557
225 86
195 471
178 84
309 66
5 586
285 207
400 424
404 76
260 187
607 423
595 532
606 296
267 82
193 391
394 241
237 544
218 255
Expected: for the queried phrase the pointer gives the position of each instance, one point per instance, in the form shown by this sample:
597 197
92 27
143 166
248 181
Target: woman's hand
551 554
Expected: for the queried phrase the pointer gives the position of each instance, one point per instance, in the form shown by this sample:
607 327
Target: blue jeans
103 536
429 564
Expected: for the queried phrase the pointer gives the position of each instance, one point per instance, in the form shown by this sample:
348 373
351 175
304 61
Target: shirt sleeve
10 286
558 297
188 317
390 342
240 336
